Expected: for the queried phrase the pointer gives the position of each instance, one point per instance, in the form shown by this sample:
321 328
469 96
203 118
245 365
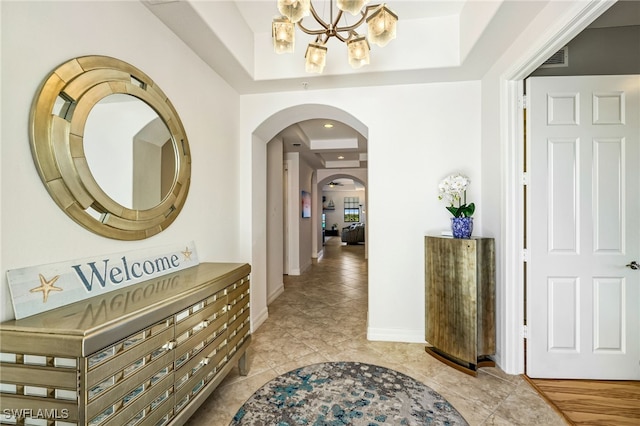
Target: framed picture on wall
306 204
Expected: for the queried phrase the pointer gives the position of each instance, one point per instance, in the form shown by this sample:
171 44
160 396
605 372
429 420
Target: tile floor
321 316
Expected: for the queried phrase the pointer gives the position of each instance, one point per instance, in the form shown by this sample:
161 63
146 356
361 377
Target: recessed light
328 125
340 157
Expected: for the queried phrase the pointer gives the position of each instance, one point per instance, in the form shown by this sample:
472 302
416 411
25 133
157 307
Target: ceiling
438 40
336 147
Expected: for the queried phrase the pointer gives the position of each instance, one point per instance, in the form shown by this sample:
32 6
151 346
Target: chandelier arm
334 29
350 27
312 32
369 8
317 17
341 38
325 27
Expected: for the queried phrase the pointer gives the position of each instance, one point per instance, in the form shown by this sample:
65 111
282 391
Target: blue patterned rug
345 393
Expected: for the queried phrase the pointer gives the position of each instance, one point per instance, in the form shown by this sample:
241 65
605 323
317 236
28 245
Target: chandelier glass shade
381 24
283 35
294 10
351 6
315 58
358 51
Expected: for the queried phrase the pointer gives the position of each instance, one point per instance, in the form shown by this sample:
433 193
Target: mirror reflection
130 151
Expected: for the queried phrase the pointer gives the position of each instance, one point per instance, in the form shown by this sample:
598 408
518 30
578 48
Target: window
351 209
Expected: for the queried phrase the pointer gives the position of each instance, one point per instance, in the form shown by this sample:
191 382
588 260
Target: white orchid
453 189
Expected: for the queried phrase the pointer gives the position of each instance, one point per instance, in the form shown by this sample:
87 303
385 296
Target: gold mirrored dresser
146 354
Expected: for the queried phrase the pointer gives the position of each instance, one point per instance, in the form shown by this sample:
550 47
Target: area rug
345 393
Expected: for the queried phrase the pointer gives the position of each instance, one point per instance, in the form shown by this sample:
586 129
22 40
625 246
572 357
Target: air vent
558 59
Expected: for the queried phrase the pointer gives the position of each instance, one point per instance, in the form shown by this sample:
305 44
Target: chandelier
381 23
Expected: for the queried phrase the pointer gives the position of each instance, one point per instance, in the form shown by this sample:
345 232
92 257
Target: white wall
306 223
275 219
292 160
424 133
299 229
39 36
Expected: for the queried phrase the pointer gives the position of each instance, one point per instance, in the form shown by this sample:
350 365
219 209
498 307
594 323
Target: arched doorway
268 209
334 187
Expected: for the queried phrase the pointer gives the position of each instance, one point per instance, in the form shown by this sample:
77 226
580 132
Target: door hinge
523 102
525 178
525 255
525 332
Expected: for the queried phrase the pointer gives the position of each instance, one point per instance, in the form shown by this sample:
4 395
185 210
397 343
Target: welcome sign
41 288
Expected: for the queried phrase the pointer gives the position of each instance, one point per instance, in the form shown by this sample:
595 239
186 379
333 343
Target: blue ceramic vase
461 227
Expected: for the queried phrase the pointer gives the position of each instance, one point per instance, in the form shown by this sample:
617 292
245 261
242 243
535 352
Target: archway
267 210
326 176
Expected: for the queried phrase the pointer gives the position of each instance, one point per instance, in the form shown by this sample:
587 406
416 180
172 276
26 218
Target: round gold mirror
110 148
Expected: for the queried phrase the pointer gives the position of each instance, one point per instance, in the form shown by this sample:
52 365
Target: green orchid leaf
454 211
471 208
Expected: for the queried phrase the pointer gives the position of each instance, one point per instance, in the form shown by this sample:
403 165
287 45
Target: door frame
512 114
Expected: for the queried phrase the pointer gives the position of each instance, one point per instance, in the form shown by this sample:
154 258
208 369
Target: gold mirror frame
58 149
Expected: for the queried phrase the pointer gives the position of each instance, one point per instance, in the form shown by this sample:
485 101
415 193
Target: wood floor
587 402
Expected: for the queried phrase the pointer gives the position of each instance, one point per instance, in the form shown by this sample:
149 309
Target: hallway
322 317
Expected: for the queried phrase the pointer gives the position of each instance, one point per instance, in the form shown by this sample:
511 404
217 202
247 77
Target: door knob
633 265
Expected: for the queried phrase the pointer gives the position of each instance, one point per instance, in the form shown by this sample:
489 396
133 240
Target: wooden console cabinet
460 301
147 354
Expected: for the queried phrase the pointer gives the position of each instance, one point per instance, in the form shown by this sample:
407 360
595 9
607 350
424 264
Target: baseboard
395 335
257 318
273 296
498 360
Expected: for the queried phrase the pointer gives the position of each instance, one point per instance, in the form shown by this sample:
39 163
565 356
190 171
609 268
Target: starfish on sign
46 287
187 254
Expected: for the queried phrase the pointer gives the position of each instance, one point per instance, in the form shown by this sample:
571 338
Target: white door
583 215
